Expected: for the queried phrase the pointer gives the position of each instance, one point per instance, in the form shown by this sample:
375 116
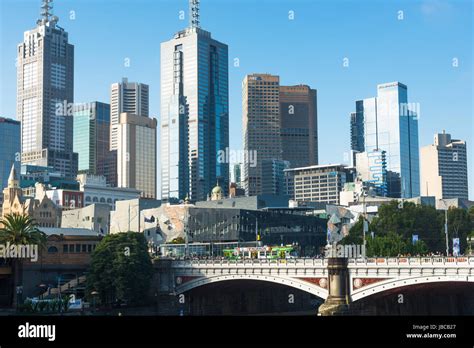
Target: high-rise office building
318 183
279 123
299 125
136 154
273 173
194 113
261 127
357 129
10 148
9 151
444 168
237 177
390 124
131 97
92 140
45 93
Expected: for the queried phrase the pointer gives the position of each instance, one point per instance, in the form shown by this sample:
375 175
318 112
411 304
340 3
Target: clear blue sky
417 51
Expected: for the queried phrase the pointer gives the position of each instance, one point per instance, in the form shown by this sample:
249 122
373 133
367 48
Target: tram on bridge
263 252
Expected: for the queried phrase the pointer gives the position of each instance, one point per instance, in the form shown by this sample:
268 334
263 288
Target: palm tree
20 230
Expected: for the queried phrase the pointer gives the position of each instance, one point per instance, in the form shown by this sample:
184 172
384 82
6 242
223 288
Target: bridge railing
412 261
310 262
250 262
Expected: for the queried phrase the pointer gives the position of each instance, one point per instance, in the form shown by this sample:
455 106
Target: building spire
194 13
12 179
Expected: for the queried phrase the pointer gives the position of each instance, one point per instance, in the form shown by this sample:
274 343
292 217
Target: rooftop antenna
194 13
45 8
46 15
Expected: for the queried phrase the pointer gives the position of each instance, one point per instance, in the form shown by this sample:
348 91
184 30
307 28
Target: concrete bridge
339 281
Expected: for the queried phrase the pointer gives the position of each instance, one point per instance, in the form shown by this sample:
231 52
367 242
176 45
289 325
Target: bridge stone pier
338 281
338 299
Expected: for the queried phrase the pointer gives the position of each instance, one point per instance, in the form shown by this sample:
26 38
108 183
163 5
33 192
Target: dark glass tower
194 114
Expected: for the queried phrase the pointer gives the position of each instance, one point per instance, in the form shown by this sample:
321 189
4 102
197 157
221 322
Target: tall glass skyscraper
390 124
9 150
194 113
91 140
299 125
45 95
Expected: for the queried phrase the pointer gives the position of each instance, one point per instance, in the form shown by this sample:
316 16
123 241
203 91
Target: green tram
263 252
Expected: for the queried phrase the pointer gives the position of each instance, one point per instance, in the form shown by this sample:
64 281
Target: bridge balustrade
305 262
414 261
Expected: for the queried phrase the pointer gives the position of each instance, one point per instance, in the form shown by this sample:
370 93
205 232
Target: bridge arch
290 282
390 284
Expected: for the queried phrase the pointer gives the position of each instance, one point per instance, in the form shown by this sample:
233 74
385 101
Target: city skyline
344 64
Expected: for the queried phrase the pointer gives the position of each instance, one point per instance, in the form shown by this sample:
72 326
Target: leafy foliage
20 230
394 227
121 268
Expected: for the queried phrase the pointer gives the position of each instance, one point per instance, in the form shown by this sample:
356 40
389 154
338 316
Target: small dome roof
217 189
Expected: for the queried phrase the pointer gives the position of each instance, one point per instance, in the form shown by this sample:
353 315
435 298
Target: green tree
121 268
396 223
356 233
459 226
20 230
391 244
419 248
408 220
471 215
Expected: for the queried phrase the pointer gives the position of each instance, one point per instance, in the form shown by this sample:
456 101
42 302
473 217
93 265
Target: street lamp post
42 287
446 227
186 239
94 294
19 292
446 230
364 225
59 292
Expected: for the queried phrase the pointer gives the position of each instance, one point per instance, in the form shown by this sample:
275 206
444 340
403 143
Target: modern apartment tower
194 113
444 168
390 124
299 125
131 97
136 154
45 93
92 140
